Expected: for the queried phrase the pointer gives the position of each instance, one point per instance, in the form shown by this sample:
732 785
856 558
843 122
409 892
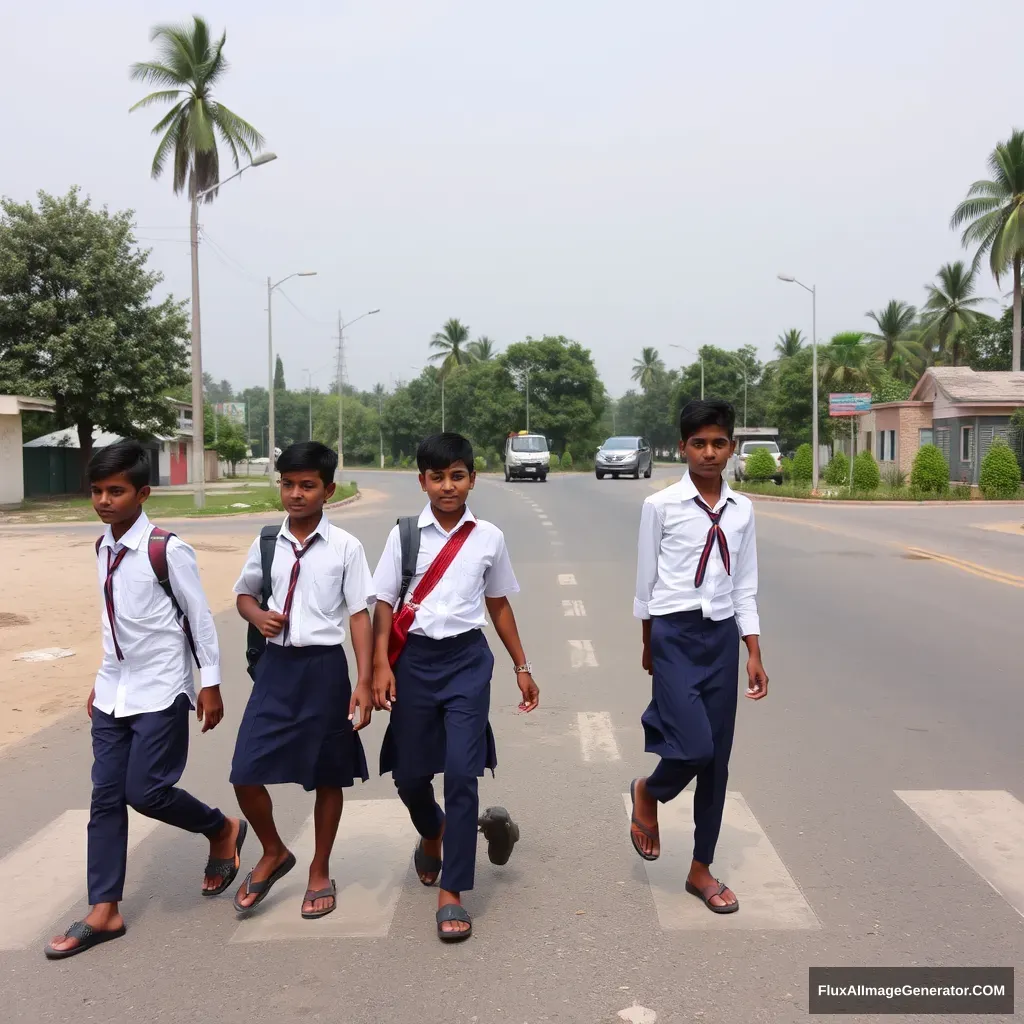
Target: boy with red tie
695 594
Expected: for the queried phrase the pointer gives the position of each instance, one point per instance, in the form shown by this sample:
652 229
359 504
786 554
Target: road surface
876 810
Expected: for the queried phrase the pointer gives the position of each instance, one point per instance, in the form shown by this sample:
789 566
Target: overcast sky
625 174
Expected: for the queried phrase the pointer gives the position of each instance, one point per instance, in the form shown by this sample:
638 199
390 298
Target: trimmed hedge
803 463
1000 472
930 474
866 475
837 472
760 465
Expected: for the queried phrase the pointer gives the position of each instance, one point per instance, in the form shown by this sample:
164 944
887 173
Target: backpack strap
268 544
99 541
409 533
157 549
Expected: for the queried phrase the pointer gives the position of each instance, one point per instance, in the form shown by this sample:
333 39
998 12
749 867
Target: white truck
747 440
527 457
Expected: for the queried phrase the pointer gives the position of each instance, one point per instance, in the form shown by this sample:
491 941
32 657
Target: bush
480 463
760 465
567 460
787 470
930 474
556 462
837 472
1000 472
803 463
866 476
894 477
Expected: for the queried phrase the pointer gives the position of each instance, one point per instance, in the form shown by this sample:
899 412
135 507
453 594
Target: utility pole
341 397
380 420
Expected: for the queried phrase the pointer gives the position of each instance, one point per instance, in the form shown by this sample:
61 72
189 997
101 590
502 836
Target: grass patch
956 492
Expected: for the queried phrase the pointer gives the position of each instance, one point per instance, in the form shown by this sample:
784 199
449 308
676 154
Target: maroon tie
715 534
294 577
108 595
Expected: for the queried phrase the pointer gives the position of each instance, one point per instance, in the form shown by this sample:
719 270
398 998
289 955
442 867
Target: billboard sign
849 403
233 411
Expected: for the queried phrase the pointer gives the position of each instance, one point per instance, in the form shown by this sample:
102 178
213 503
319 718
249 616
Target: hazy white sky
624 174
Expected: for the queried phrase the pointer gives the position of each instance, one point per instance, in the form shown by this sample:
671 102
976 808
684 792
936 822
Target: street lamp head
263 158
306 273
787 277
372 311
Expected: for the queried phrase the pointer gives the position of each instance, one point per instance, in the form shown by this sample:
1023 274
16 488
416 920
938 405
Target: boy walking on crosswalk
696 596
155 621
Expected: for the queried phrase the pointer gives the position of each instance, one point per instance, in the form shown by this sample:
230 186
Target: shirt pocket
327 592
141 599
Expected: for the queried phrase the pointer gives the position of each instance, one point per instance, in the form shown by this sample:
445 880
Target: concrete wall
12 481
984 430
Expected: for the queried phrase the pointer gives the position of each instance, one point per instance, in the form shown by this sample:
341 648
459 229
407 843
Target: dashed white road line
597 736
567 579
571 608
583 655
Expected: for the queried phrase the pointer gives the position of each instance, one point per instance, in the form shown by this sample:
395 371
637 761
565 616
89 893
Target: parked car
743 453
624 456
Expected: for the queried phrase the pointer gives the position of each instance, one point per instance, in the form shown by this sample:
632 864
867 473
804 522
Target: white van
527 457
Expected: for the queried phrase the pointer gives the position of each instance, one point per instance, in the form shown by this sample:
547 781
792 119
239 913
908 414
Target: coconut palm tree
848 364
647 368
482 350
188 67
893 323
950 308
452 344
789 344
993 213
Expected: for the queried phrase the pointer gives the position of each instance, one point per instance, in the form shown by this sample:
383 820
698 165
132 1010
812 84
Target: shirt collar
427 518
689 491
322 528
132 539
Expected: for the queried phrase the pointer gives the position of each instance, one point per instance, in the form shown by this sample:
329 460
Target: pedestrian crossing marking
573 608
984 827
597 736
45 875
370 860
567 579
582 652
769 898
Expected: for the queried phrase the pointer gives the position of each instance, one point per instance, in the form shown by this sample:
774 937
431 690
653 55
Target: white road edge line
583 654
597 736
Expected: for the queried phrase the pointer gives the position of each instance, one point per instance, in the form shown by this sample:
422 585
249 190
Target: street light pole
309 394
198 417
700 356
341 388
813 289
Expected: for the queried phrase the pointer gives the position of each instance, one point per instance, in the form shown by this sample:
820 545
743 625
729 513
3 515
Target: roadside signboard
234 411
849 403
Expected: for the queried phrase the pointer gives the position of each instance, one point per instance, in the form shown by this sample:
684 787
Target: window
887 446
967 444
926 437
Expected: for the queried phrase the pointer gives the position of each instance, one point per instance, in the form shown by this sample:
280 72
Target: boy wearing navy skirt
298 724
155 622
433 671
696 595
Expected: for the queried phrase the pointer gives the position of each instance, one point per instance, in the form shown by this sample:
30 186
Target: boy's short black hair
443 450
711 412
122 457
309 456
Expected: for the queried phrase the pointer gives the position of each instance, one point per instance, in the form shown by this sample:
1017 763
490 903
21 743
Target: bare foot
104 917
222 847
701 878
265 867
318 879
644 830
444 898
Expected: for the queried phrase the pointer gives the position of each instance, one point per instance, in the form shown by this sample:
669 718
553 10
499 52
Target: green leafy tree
988 344
647 368
279 384
847 364
866 475
889 389
789 344
992 216
1000 472
950 308
78 323
452 345
483 349
893 323
930 473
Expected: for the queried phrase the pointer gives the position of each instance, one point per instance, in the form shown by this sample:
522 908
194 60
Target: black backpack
256 642
409 533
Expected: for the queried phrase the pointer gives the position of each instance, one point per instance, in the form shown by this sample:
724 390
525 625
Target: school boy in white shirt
139 707
696 596
432 672
298 724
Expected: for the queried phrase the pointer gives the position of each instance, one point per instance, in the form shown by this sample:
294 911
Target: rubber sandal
224 868
321 894
426 865
262 889
87 938
635 824
501 833
453 912
707 897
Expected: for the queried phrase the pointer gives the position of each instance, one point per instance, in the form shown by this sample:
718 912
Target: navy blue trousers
137 761
439 723
690 720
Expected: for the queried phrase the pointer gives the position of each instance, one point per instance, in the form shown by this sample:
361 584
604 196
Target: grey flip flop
453 912
321 894
707 897
262 889
224 867
501 833
87 938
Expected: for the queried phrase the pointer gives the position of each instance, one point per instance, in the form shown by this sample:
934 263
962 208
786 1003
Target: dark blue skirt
694 659
295 728
439 720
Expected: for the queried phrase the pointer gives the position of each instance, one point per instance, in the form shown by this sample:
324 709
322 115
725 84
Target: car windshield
529 444
620 444
749 446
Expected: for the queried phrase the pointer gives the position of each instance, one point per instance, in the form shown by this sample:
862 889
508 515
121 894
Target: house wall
12 481
912 420
164 464
984 429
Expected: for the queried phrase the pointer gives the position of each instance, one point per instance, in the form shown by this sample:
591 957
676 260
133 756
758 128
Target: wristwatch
528 668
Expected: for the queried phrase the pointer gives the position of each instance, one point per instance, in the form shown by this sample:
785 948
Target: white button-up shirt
157 665
481 569
334 579
673 531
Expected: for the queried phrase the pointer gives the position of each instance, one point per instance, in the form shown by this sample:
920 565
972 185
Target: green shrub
556 462
480 463
894 477
837 472
866 476
803 463
787 470
567 460
1000 472
930 474
760 465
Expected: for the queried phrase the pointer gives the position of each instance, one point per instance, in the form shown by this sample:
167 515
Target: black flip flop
501 833
224 867
453 912
321 894
729 908
87 938
261 889
634 823
426 865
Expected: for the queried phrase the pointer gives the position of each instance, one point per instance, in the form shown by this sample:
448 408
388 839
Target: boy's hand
528 688
362 698
384 688
270 623
645 660
209 707
88 703
758 685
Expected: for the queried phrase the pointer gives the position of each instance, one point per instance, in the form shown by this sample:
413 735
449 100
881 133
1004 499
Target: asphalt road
875 813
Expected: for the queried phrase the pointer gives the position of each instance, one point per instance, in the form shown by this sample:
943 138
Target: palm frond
231 125
154 73
165 96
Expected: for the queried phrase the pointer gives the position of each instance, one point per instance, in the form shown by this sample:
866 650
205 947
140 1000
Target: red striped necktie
108 595
294 577
715 534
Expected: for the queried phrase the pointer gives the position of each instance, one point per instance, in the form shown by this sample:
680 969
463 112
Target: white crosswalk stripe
597 736
567 579
582 653
573 608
